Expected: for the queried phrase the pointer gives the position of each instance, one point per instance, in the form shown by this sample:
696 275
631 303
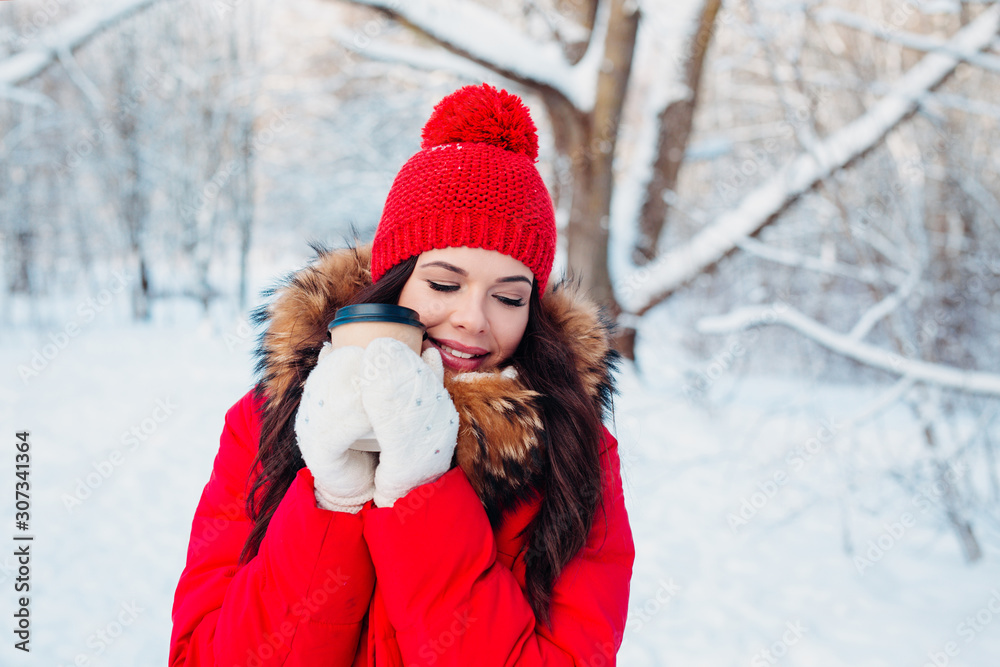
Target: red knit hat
473 184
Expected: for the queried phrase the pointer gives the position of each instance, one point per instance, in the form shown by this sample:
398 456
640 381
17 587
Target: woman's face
474 303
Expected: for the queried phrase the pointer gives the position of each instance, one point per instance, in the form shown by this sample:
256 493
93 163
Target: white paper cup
362 323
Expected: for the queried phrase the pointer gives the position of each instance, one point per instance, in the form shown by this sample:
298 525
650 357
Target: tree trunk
24 245
140 294
244 198
675 123
951 501
587 247
244 203
134 198
570 130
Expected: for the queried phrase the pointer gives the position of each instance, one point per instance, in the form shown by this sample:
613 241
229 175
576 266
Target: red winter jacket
426 582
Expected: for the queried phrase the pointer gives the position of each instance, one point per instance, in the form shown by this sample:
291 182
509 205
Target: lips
459 357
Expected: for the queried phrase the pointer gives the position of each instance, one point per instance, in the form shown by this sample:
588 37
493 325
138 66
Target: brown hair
571 475
571 480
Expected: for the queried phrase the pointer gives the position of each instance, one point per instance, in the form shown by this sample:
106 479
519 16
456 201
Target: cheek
509 331
432 311
422 303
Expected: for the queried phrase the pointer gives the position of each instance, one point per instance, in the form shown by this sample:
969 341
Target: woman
491 528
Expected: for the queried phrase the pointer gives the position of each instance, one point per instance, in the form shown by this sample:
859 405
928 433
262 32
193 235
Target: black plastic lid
376 312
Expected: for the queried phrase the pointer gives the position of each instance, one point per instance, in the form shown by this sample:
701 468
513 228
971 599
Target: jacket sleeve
452 603
304 595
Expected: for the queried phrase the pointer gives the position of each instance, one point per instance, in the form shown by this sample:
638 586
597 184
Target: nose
469 314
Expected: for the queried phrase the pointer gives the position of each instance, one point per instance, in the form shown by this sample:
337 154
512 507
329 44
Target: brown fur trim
588 333
499 444
500 435
299 314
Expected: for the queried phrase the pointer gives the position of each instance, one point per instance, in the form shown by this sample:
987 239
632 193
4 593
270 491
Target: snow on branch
26 97
485 37
430 60
973 382
939 101
886 306
866 275
982 196
65 37
79 77
646 286
908 39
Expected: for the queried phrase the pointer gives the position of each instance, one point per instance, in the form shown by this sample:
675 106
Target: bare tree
903 236
127 175
162 137
583 76
586 128
675 122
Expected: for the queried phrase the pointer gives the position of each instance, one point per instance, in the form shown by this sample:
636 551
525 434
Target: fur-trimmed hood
501 432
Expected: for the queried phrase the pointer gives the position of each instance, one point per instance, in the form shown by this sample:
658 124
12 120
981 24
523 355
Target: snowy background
786 507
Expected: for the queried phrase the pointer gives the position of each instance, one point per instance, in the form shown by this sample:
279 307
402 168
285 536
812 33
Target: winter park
787 211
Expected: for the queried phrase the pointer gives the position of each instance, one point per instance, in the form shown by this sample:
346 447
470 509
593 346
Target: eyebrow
462 272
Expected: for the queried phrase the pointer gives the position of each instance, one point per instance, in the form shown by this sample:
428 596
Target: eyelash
438 287
511 303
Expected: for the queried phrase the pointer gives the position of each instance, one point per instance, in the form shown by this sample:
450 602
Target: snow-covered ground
748 539
124 422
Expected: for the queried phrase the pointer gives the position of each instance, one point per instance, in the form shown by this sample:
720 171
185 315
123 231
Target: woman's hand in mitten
329 419
415 422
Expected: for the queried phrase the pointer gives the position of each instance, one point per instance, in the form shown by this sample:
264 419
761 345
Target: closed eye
441 287
507 301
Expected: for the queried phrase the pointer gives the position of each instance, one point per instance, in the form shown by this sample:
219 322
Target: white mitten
415 422
329 419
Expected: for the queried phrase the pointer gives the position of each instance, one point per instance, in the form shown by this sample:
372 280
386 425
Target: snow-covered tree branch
430 60
886 306
797 260
647 286
903 38
486 38
672 110
66 37
945 376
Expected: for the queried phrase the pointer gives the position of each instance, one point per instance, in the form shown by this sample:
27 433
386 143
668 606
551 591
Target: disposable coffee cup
362 323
